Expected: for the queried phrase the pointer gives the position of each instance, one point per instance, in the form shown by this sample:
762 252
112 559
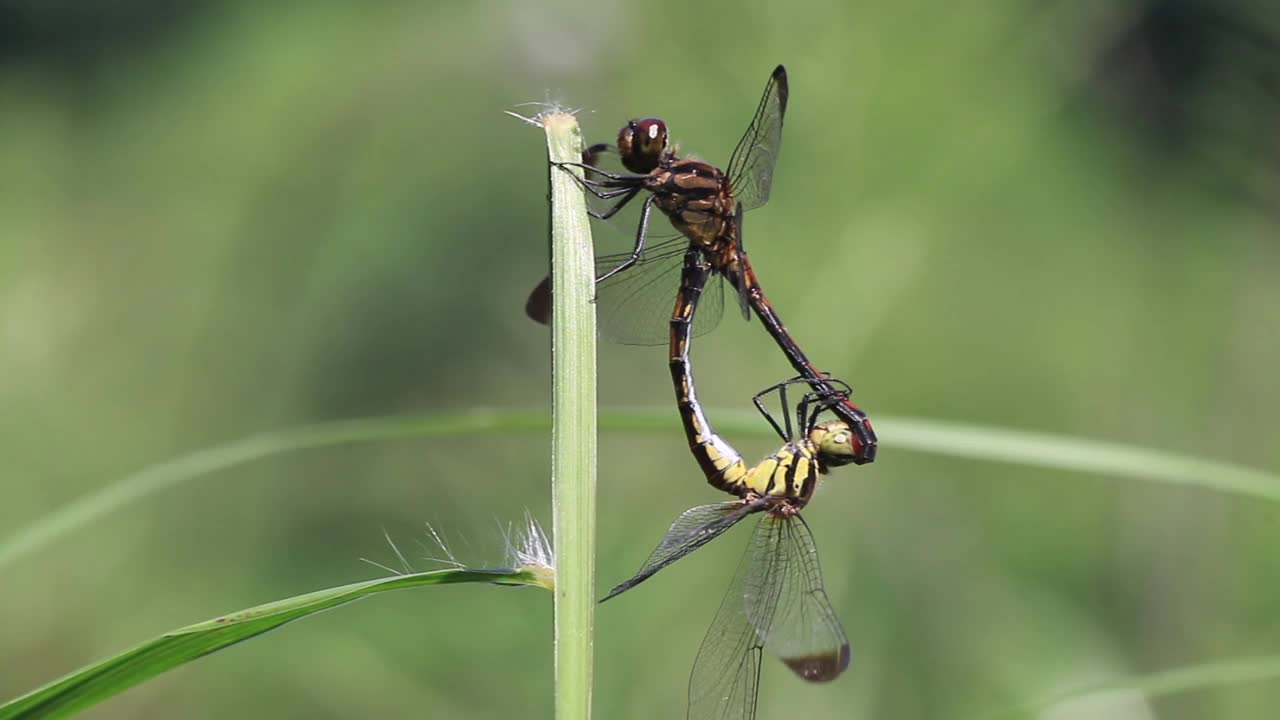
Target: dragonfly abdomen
720 463
723 466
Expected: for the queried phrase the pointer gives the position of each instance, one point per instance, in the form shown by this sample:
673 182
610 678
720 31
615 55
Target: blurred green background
220 218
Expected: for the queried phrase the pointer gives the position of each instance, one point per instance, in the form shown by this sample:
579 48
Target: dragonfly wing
634 306
726 690
726 673
538 306
795 616
751 166
736 275
694 528
710 308
743 296
775 601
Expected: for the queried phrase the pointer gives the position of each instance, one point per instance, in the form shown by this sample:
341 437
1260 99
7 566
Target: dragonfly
706 207
776 600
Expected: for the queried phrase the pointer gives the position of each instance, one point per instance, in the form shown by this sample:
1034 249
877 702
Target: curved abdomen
792 471
720 462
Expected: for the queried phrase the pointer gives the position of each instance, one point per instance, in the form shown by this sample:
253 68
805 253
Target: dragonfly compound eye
834 443
641 144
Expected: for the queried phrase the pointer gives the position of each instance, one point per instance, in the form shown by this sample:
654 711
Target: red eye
641 144
652 132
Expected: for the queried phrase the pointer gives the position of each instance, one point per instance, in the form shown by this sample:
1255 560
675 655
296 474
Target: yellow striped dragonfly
776 600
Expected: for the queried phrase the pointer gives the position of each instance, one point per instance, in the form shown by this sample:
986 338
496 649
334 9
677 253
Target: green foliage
91 685
225 218
109 677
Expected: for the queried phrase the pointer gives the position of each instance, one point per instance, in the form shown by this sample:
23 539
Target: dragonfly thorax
790 472
694 196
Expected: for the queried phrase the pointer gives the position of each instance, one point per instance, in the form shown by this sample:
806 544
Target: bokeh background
220 218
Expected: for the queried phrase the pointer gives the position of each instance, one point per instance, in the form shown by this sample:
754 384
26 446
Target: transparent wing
634 306
751 166
737 277
726 674
695 527
775 600
804 631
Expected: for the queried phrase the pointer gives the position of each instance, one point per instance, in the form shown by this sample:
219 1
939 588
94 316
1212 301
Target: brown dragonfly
706 205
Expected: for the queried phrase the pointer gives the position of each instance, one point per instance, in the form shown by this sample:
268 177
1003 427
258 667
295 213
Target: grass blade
99 681
1201 676
975 442
1063 452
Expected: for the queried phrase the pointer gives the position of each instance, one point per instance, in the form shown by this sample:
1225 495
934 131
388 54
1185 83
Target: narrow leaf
109 677
974 442
1198 677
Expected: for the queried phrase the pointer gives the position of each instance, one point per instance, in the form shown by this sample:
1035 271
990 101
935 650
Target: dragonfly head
641 144
834 443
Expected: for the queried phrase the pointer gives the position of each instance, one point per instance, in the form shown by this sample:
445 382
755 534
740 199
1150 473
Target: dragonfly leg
600 188
629 193
611 194
786 417
820 401
767 415
809 420
827 396
810 406
835 387
780 388
628 177
603 190
591 183
642 231
591 152
841 387
803 419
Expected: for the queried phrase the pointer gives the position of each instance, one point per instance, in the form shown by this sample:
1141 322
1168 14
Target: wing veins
751 165
694 528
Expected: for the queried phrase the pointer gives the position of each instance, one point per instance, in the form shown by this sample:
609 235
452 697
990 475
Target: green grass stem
573 423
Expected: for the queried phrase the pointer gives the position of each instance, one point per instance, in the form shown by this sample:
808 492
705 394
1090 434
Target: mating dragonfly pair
776 600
